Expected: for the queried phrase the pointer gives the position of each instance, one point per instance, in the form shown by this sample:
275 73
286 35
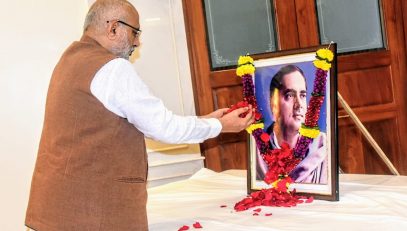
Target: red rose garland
280 162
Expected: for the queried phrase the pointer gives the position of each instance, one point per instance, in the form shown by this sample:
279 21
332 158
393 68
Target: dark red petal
281 186
255 214
309 200
268 214
185 227
257 210
223 206
257 116
265 137
197 225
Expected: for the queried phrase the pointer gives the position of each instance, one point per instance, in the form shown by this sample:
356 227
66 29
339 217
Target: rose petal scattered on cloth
268 214
223 206
255 214
270 197
309 200
185 227
257 210
197 225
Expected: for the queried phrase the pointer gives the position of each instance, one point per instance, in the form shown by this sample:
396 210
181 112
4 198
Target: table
367 202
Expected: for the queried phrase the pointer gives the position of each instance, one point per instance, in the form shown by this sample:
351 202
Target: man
91 168
288 103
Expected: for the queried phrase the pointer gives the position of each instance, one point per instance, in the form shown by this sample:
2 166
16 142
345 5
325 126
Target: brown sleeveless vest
91 167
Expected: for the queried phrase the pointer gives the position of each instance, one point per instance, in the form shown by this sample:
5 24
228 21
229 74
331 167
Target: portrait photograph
284 86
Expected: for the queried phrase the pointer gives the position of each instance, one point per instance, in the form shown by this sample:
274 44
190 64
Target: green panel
355 25
238 27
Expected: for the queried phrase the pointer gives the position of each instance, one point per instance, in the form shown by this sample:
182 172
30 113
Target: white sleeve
120 89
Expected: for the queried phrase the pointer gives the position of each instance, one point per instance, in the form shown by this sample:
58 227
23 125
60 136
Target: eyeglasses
136 31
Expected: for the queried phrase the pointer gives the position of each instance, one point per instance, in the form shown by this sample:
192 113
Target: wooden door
373 83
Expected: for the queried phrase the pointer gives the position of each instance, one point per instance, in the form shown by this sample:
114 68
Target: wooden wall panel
350 148
230 156
369 114
226 96
198 55
356 155
404 10
234 155
367 60
286 24
395 11
307 26
213 158
367 87
379 129
224 78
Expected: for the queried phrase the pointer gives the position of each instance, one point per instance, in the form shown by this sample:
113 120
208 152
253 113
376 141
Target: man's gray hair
103 10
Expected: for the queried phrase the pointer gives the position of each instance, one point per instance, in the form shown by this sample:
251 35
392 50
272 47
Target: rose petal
197 225
265 137
255 214
185 227
223 206
268 214
257 116
309 200
257 210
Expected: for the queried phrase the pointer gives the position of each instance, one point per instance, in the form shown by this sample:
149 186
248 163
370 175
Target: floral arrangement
309 130
280 162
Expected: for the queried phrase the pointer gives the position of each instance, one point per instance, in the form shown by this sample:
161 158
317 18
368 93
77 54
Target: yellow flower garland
245 70
253 127
324 59
309 132
245 66
322 64
244 59
325 54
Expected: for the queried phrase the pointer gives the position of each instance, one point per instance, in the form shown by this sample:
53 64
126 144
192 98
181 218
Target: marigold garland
309 132
322 64
253 127
246 69
244 60
325 54
324 58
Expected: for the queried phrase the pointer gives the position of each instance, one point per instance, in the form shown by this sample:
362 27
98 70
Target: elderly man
91 167
288 103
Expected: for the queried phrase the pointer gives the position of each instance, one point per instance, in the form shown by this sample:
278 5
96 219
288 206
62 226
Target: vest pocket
130 179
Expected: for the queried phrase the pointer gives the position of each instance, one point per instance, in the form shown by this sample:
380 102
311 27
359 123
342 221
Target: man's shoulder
119 64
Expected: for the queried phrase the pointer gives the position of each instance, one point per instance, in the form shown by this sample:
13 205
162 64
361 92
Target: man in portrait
288 104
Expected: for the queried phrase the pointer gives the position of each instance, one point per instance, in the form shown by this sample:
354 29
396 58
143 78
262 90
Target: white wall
34 34
162 60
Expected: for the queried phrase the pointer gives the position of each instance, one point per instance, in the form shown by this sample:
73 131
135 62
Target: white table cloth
367 202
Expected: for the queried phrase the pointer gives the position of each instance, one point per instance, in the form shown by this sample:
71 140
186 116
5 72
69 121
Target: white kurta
120 89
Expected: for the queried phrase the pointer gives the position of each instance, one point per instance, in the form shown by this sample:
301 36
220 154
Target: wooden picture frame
322 155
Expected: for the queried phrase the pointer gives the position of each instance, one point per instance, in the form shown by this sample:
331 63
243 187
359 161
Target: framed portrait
284 84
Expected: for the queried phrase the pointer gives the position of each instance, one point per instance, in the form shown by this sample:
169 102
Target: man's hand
231 122
216 114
